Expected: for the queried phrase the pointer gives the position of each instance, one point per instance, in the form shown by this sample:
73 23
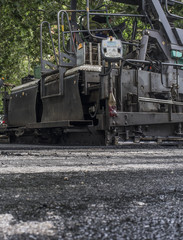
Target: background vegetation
20 31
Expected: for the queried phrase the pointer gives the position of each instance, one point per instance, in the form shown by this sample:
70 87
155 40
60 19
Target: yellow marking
87 9
62 26
80 46
163 43
23 93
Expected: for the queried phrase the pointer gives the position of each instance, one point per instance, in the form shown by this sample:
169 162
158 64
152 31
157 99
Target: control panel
112 49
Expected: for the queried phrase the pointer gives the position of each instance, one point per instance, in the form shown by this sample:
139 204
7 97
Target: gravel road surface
91 193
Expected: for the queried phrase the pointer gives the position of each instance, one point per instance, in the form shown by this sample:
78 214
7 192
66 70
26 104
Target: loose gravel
91 193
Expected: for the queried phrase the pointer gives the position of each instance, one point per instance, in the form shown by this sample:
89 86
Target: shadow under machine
111 77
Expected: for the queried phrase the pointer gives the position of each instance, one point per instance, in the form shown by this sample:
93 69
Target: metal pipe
170 14
93 10
117 14
99 54
92 30
161 101
134 30
41 42
153 62
137 84
90 53
70 31
41 49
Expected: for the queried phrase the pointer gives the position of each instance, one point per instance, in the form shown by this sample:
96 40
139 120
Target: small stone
141 203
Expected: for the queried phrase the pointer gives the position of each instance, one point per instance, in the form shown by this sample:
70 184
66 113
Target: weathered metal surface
132 91
25 86
66 107
87 67
58 124
22 104
144 118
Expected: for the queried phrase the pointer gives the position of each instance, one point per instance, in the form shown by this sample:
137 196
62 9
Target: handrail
153 62
62 13
171 14
117 14
41 42
105 14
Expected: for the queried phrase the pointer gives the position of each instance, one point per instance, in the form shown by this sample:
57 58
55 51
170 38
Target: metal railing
167 9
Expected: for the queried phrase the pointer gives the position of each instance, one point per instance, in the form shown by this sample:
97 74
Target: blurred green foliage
20 31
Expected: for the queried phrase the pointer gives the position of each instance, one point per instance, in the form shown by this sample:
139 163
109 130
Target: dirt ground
91 193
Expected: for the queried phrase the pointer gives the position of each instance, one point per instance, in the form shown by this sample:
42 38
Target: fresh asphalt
91 193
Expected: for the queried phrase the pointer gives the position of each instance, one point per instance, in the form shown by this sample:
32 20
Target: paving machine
112 77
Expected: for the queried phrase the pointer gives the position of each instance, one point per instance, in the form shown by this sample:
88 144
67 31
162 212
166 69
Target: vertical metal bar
61 80
41 42
99 54
170 112
84 48
90 53
121 88
60 58
53 46
58 24
63 32
41 45
59 40
88 15
137 82
41 53
134 30
161 73
42 64
177 83
61 70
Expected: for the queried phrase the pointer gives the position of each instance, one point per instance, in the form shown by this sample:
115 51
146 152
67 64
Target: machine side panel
22 105
66 107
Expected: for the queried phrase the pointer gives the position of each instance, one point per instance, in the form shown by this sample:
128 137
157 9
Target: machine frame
85 97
